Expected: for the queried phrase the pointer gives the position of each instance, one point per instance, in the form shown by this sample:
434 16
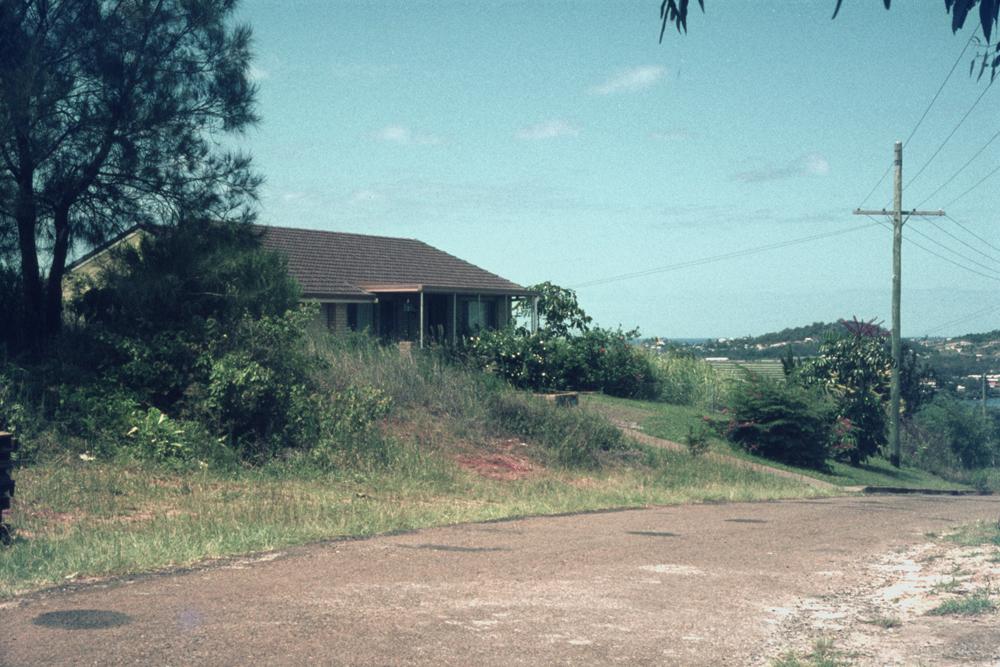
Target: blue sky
702 187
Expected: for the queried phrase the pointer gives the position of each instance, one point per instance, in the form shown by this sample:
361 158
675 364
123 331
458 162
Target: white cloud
812 164
548 129
400 134
629 80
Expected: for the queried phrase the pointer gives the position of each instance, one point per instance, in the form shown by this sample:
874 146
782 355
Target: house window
360 317
478 314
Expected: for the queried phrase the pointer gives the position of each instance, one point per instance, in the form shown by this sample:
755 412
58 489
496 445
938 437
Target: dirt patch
887 622
508 460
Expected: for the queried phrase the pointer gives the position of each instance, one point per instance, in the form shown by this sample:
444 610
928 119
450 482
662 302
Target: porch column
454 319
421 320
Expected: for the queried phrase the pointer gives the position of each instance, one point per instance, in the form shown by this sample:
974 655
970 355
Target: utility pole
897 241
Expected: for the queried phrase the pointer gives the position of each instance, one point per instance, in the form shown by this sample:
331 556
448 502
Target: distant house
399 289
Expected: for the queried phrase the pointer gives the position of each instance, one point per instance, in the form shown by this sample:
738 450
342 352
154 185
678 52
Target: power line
943 83
967 231
973 187
967 245
719 258
950 261
955 252
960 171
971 316
926 111
948 138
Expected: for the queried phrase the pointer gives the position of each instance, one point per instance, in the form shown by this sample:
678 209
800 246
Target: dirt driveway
713 584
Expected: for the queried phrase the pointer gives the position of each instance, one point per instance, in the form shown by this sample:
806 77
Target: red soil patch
508 465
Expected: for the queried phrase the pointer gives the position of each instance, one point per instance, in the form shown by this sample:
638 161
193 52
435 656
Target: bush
573 437
597 360
784 422
855 371
947 433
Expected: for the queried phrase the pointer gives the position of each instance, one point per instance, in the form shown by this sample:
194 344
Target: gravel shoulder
884 620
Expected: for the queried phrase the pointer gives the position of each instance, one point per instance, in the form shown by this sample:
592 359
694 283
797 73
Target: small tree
855 370
111 114
162 317
558 309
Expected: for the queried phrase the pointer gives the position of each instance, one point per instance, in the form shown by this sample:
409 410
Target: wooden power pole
897 241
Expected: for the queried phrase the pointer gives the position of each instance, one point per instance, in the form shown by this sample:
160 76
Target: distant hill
805 341
954 359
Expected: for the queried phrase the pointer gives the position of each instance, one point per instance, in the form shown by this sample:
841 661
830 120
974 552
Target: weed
887 622
696 441
823 655
976 603
947 586
977 533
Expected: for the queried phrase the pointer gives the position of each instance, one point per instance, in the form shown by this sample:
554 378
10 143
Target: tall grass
479 406
686 380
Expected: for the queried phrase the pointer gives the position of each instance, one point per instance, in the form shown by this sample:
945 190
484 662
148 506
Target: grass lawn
672 422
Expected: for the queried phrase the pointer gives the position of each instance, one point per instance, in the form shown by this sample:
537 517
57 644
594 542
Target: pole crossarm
906 213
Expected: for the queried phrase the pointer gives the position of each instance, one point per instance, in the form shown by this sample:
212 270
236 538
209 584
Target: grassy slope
672 422
74 519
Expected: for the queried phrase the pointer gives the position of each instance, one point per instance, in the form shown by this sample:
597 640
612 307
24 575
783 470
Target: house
400 289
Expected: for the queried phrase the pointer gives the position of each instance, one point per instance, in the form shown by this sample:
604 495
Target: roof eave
444 289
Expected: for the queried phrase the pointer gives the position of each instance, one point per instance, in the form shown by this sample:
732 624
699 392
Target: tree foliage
178 278
856 371
157 313
558 309
111 114
676 12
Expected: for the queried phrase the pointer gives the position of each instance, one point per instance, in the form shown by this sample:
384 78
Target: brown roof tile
339 265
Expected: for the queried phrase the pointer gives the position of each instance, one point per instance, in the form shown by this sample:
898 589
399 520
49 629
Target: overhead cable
719 258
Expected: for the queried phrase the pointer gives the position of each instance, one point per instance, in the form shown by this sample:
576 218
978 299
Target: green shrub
596 360
156 437
481 406
948 434
351 416
783 421
855 371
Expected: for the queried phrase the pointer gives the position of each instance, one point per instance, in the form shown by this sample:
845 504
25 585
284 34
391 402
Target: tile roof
339 265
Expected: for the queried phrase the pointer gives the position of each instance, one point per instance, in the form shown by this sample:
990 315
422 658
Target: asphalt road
681 585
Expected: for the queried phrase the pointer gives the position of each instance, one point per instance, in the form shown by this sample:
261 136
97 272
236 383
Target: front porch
421 317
